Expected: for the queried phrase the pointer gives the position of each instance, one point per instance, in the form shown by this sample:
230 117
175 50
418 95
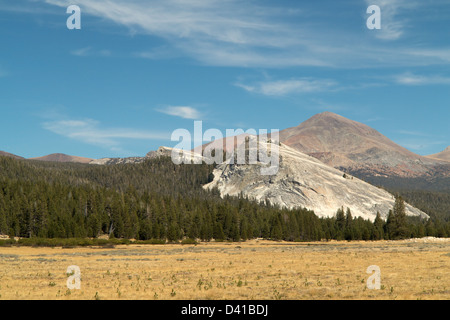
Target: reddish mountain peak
345 143
329 115
10 155
330 132
332 121
324 117
61 157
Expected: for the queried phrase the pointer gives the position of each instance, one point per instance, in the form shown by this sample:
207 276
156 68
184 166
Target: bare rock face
112 161
304 181
162 151
178 155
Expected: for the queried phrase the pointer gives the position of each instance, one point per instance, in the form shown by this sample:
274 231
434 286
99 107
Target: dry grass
251 270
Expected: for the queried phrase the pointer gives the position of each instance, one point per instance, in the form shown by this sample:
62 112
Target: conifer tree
378 224
340 224
348 231
400 230
390 225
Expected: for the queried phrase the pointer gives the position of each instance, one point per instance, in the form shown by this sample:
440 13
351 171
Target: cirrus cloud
291 86
271 35
411 79
90 131
185 112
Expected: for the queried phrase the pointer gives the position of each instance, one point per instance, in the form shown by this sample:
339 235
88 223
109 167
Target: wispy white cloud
291 86
30 7
419 141
158 53
88 51
253 34
413 133
81 52
227 21
215 32
420 145
374 119
90 131
431 54
232 55
393 22
411 79
185 112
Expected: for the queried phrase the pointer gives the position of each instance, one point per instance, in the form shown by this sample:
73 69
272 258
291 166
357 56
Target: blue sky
137 70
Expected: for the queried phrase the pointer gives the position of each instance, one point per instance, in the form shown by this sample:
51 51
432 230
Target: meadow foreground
252 270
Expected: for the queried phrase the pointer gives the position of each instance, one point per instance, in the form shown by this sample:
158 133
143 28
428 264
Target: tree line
159 200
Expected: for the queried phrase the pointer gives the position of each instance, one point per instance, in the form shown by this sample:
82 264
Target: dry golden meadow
410 269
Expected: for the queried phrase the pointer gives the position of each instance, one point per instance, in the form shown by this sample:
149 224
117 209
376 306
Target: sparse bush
189 241
7 243
151 241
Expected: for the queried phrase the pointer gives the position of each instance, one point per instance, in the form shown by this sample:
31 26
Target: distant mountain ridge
314 156
335 140
10 155
60 157
443 156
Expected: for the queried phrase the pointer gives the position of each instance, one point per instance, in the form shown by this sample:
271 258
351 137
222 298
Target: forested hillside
429 195
159 200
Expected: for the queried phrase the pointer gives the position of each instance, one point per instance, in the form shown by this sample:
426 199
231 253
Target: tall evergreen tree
340 224
400 230
349 226
378 224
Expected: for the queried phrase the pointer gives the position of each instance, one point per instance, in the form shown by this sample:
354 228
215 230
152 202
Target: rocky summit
353 146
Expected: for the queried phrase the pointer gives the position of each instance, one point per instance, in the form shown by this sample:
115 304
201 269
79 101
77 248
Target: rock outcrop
161 152
304 181
112 161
